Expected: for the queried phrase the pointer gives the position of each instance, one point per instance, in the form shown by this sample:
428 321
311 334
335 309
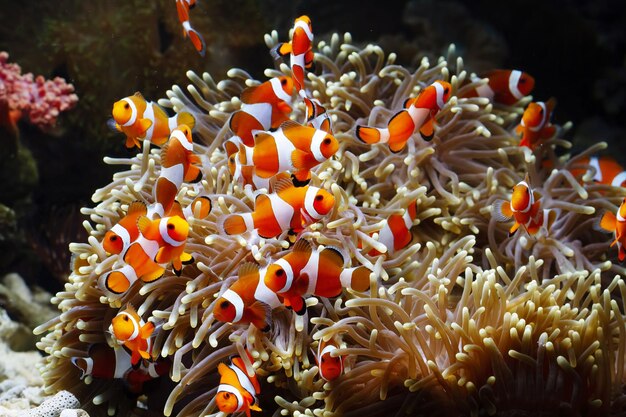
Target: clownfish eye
446 90
226 395
125 318
224 304
113 238
283 81
170 226
126 106
280 273
319 197
327 141
522 80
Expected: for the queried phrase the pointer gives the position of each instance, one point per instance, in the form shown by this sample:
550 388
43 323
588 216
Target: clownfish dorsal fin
288 125
527 180
332 255
246 96
143 224
139 95
137 207
222 368
550 104
303 246
248 269
130 310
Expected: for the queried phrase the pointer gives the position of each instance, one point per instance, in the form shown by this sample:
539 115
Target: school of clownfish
274 155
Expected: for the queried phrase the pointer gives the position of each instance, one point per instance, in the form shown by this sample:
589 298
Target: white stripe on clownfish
513 84
235 299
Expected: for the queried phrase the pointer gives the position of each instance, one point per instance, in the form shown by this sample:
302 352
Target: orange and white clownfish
320 272
170 233
125 232
396 234
177 166
248 300
616 224
130 330
288 208
139 119
330 367
182 7
535 124
199 208
237 390
419 113
293 147
607 170
105 362
300 49
525 208
316 115
263 107
504 86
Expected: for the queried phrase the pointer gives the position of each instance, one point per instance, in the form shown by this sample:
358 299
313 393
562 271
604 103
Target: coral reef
464 320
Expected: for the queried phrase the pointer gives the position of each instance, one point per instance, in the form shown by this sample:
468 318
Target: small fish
300 49
396 234
248 300
606 170
139 266
263 107
139 119
419 113
130 330
616 224
320 272
183 7
330 367
178 165
125 232
288 208
525 208
535 124
504 86
316 115
237 390
170 233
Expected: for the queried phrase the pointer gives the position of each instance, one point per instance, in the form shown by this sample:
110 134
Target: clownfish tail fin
367 134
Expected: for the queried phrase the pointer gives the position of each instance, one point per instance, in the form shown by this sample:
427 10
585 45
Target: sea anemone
464 320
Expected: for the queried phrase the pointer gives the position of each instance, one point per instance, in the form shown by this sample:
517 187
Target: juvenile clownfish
263 107
125 232
237 390
316 115
535 124
248 300
183 7
504 86
170 233
330 367
105 362
607 170
304 272
293 147
287 208
525 208
616 224
396 233
419 113
140 119
300 49
177 165
130 330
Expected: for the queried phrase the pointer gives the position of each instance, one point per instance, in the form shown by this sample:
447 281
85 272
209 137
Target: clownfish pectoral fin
367 134
428 129
255 407
301 160
144 354
606 223
262 316
308 60
135 357
281 50
143 224
132 142
513 229
519 130
146 330
144 125
501 211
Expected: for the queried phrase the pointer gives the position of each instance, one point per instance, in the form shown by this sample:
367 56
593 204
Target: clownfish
419 113
183 7
396 234
237 390
304 272
330 367
248 300
289 207
525 208
607 170
504 86
300 49
293 147
125 232
316 115
170 233
141 119
616 224
105 362
263 107
535 124
130 330
177 165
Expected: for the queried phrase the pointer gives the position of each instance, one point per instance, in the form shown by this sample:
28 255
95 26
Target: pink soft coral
38 99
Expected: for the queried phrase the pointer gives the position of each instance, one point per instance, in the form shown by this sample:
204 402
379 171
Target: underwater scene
312 208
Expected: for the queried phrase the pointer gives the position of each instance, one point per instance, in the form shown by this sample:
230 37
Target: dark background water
111 48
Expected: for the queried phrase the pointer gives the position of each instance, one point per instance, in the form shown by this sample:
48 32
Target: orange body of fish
130 330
